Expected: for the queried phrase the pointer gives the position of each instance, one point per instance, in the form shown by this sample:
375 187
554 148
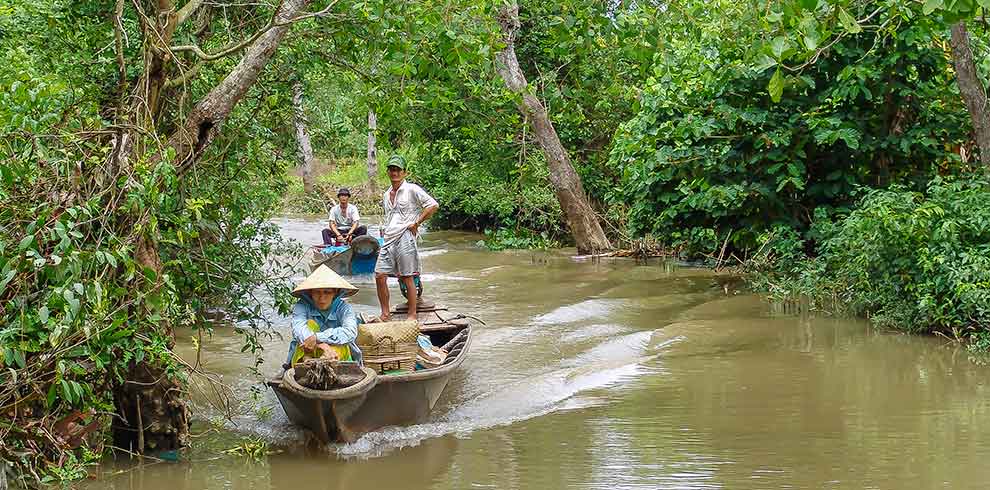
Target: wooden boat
376 400
357 258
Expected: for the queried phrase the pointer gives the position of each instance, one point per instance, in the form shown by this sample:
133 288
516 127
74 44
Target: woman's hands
312 344
328 353
309 343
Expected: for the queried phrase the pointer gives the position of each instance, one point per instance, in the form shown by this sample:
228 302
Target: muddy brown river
615 375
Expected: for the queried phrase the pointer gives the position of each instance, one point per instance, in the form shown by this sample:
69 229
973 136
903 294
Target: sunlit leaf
931 6
25 243
776 86
849 23
779 45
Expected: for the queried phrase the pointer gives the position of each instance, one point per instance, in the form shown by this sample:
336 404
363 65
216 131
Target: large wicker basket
389 346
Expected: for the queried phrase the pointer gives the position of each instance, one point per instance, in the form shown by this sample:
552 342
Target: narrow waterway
613 374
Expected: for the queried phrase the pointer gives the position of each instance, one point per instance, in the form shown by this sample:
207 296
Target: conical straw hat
324 277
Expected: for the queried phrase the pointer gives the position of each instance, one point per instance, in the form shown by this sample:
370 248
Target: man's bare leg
381 285
412 295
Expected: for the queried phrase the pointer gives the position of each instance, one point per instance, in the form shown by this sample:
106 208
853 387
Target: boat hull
399 399
357 258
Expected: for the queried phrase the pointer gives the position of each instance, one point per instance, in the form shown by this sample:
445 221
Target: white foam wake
592 308
607 365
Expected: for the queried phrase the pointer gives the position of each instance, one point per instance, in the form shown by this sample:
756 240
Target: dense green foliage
81 303
477 154
71 295
350 173
711 155
918 261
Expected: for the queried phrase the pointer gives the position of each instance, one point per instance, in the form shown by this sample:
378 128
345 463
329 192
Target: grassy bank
350 173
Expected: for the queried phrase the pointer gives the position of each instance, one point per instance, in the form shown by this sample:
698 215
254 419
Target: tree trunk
581 218
302 137
204 121
971 88
372 150
152 413
156 71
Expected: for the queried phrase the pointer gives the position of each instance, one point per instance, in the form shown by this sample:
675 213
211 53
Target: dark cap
396 160
343 192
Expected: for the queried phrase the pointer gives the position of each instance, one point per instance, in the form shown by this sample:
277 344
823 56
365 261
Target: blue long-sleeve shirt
337 325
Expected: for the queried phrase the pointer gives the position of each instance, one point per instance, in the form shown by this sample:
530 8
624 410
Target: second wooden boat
347 260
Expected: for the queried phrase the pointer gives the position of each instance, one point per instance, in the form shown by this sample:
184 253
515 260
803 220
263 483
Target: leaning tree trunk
203 123
302 137
372 150
151 412
972 90
581 218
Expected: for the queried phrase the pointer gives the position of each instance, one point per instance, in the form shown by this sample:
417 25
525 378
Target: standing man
407 206
344 220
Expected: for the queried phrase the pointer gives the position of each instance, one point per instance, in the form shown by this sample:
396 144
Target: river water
613 374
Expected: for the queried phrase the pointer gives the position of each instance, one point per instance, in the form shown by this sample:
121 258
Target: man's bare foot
384 318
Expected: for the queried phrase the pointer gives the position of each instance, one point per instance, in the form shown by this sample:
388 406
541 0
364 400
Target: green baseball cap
396 160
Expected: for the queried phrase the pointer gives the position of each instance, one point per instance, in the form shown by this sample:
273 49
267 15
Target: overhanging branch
187 10
243 44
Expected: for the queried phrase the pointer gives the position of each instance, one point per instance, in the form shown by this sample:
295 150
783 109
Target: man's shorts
399 258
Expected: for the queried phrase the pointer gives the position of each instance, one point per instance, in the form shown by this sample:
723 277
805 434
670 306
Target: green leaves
776 86
13 358
932 5
913 261
848 22
6 278
25 243
810 32
710 153
780 46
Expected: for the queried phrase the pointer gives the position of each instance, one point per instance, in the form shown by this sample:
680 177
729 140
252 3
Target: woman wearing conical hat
323 324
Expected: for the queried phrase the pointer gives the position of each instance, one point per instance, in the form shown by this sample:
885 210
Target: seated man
323 324
344 220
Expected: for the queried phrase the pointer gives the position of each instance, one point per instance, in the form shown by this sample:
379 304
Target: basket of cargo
389 346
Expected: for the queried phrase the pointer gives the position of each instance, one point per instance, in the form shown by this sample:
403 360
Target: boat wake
485 397
557 388
430 253
589 309
497 409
